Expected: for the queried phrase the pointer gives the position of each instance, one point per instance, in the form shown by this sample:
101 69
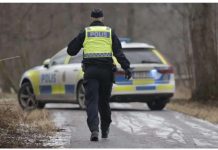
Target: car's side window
59 58
76 59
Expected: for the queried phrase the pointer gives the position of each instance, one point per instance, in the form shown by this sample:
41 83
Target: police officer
99 43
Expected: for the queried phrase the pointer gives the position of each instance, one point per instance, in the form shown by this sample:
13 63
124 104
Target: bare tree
205 60
17 32
130 20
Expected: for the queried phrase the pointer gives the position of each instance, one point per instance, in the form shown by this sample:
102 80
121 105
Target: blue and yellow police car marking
160 56
57 89
124 83
164 79
149 87
126 88
120 80
161 82
147 84
67 59
69 89
45 89
165 87
33 75
132 88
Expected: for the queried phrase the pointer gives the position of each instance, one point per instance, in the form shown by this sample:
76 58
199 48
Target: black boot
104 133
94 136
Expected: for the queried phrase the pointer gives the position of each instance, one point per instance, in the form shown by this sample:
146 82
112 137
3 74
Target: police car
59 80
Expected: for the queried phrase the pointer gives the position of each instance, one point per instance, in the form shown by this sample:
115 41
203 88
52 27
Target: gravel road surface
133 126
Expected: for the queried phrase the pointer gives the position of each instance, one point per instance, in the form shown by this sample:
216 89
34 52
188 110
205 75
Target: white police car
59 80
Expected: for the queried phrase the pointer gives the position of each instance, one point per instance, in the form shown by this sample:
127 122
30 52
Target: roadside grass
206 111
181 102
21 129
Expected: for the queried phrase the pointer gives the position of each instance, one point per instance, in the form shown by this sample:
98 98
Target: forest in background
185 33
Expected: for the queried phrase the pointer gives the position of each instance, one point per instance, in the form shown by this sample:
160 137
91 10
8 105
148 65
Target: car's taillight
119 73
166 70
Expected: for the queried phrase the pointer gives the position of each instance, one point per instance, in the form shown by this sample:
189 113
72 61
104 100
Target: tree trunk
203 40
131 21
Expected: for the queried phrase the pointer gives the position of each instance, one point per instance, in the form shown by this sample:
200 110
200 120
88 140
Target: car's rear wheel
157 104
26 97
81 95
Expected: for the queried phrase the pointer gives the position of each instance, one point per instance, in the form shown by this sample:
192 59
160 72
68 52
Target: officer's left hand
128 74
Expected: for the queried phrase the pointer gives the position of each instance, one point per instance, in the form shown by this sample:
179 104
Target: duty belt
97 55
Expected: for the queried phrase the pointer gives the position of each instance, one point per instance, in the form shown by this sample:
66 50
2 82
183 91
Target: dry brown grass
207 111
22 129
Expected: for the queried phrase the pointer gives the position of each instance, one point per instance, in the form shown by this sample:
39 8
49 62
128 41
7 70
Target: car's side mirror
46 63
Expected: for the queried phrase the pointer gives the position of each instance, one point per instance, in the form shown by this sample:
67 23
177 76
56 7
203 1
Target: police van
60 78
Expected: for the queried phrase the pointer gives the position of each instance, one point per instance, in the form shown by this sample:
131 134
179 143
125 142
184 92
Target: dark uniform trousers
98 85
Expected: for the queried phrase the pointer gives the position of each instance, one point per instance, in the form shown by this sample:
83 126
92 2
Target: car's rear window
141 55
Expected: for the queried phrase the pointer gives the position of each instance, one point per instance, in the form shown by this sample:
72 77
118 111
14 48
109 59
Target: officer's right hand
128 74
